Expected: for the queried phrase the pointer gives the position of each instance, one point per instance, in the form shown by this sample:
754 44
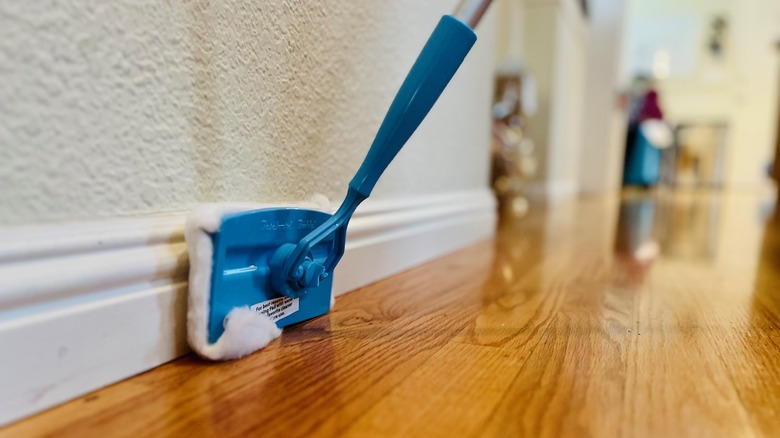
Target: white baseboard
84 305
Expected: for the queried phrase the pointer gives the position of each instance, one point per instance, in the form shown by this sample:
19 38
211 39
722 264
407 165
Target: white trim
84 305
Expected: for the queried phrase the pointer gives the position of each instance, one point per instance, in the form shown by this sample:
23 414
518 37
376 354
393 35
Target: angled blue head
243 248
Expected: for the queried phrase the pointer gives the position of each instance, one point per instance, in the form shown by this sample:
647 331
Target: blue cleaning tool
280 261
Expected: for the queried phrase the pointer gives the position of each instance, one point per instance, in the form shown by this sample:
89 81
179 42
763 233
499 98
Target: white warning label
277 308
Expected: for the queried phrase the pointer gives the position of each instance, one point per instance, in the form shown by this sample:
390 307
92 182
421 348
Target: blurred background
597 95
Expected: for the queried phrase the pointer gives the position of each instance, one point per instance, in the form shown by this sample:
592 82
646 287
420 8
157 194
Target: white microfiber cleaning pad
246 331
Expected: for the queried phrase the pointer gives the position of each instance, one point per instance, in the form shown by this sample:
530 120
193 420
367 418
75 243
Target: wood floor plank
678 384
654 315
450 409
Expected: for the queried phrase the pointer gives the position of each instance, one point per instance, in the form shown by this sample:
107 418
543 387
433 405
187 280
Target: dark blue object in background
643 161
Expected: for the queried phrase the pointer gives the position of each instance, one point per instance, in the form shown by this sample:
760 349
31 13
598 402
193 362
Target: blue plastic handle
445 50
441 57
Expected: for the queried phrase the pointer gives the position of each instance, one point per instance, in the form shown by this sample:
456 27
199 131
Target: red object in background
650 109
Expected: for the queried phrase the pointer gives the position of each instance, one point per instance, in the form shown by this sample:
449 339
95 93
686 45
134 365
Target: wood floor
656 315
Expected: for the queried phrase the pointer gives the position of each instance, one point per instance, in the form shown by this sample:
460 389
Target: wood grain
651 316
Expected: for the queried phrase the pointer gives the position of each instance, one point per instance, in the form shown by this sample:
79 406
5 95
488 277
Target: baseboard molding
84 305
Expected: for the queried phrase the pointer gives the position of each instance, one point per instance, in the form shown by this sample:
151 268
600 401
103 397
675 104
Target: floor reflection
766 297
636 243
675 226
689 227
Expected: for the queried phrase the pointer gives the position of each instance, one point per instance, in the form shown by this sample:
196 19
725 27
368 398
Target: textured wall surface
144 107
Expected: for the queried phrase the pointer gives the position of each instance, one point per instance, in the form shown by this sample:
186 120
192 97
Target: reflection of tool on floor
254 272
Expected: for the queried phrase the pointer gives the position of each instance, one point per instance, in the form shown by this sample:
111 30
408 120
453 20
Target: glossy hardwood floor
656 315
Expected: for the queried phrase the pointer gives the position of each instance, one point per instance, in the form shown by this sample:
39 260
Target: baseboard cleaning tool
255 270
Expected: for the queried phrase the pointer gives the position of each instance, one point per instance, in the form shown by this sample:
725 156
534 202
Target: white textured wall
140 107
